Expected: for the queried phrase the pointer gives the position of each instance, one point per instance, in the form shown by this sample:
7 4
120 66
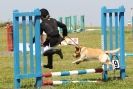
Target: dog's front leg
78 60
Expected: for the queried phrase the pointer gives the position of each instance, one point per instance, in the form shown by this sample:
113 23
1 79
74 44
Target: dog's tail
112 51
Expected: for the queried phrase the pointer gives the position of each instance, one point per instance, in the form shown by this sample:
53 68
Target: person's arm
64 28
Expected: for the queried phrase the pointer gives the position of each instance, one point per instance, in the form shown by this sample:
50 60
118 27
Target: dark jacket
50 27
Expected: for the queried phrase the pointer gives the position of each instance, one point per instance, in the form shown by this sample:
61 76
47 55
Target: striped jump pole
74 72
50 82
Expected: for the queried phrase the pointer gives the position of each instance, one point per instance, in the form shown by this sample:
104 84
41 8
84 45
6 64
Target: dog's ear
77 48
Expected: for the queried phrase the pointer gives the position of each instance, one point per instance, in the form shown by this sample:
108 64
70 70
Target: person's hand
41 44
64 37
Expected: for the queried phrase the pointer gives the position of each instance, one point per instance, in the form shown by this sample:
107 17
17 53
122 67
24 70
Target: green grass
88 39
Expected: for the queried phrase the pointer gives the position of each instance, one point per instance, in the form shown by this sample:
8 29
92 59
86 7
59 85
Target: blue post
105 72
104 26
110 28
16 49
66 22
82 23
70 23
32 68
116 30
74 23
60 19
24 43
122 48
38 50
104 37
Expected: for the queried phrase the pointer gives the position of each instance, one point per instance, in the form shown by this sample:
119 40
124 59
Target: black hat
44 12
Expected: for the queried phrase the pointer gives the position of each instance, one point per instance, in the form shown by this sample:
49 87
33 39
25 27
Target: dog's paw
75 62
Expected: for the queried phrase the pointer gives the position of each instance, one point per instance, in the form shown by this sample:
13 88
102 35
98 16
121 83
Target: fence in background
74 23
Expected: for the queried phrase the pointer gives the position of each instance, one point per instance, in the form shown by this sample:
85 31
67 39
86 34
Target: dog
84 54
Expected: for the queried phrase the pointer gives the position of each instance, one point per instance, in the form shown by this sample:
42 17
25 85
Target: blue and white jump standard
107 15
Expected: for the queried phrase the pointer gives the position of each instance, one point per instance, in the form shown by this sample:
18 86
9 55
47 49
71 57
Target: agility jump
115 42
74 72
50 82
32 69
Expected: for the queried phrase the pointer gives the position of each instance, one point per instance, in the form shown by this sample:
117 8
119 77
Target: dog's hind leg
109 63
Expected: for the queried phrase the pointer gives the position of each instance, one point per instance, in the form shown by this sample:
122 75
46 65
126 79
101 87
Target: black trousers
53 41
49 55
50 60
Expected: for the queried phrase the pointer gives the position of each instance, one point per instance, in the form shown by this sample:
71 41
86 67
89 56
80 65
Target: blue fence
115 37
34 70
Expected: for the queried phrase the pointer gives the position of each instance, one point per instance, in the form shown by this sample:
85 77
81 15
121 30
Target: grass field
88 39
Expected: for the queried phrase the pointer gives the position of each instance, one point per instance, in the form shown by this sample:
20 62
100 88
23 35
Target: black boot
59 52
54 51
50 62
48 66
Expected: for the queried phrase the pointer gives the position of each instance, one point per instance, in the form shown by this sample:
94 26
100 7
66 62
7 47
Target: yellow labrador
84 53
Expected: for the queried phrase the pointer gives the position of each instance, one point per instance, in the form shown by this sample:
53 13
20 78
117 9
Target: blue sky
90 8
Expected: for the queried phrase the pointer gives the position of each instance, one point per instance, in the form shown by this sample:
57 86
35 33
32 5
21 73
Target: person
50 27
